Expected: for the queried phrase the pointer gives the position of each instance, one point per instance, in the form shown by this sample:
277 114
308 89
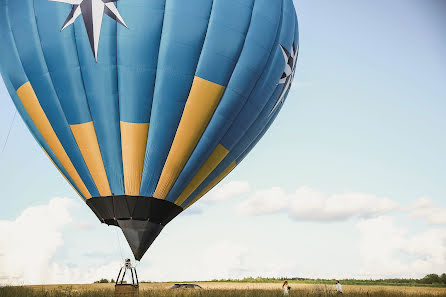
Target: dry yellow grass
406 291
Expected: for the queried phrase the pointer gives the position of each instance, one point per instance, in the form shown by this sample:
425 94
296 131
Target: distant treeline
104 281
430 280
434 280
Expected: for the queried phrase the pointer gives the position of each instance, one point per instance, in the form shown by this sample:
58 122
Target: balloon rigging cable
9 132
119 244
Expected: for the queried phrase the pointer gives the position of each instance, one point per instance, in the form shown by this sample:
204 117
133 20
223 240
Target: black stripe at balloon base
141 219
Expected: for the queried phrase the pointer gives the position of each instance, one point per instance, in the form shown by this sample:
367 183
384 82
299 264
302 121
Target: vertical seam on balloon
58 100
296 34
270 56
80 70
15 45
153 97
119 103
201 51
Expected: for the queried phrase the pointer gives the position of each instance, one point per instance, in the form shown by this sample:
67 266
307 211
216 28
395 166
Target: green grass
318 291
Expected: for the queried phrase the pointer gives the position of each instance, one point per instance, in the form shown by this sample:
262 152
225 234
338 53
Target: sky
348 181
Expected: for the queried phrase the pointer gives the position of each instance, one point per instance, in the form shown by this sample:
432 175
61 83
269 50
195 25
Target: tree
443 278
431 279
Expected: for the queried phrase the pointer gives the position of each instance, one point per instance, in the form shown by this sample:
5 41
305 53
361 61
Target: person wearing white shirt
285 288
338 287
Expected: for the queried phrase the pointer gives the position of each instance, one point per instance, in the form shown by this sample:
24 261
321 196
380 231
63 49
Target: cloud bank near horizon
29 243
385 246
307 204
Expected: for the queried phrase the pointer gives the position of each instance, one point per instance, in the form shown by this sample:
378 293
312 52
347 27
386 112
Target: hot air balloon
145 105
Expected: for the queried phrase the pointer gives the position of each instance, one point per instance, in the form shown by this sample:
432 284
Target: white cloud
307 204
32 244
62 274
426 209
387 250
29 243
225 259
206 260
217 259
228 191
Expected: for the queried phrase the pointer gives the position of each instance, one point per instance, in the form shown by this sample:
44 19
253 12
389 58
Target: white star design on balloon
92 12
288 73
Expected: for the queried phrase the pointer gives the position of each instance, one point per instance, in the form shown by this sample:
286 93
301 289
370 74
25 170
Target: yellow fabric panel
134 141
200 106
213 183
87 141
61 172
215 158
35 111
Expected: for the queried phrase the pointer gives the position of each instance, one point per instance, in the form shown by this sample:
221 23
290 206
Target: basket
126 290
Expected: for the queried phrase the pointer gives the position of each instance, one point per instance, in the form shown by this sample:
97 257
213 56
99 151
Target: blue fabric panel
28 45
34 131
254 131
265 87
226 34
59 49
10 66
296 31
138 49
184 30
250 66
240 152
260 136
101 85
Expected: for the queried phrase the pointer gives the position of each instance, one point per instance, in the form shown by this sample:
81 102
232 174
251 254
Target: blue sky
361 133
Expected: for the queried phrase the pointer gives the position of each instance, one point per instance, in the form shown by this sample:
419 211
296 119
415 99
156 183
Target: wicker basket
126 290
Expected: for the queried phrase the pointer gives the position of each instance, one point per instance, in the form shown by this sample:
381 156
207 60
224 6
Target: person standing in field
338 287
285 288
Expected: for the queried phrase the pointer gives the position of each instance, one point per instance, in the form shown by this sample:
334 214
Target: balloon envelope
146 105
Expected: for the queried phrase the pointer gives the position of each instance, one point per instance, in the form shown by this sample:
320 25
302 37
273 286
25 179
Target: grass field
220 289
